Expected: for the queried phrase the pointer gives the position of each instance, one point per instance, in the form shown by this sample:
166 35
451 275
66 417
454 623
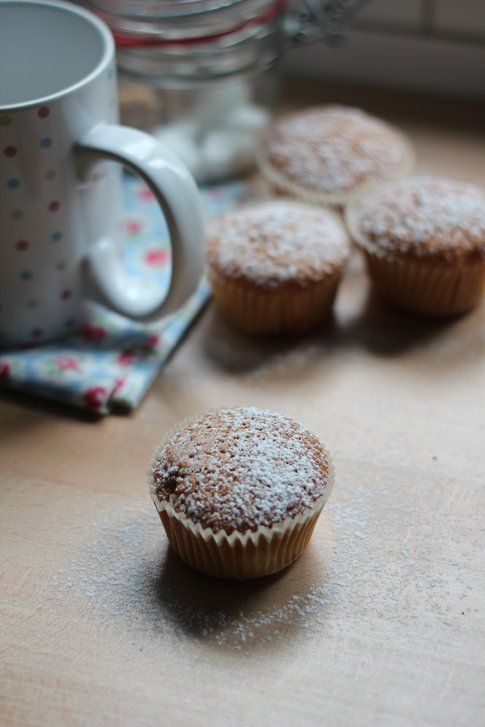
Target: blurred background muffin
274 267
424 242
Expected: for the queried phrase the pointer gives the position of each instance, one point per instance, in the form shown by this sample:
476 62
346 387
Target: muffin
326 154
275 267
239 491
424 241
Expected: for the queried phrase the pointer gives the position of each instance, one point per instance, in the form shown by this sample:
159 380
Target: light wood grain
395 636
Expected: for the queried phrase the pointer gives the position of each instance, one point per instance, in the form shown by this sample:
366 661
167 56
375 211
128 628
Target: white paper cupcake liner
275 312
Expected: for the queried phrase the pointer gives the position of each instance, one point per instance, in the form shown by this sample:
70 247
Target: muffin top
278 244
333 150
422 217
237 469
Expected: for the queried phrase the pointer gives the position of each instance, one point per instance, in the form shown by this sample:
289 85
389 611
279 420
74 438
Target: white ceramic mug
59 196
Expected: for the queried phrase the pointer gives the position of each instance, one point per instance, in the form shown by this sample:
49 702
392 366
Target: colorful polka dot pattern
12 182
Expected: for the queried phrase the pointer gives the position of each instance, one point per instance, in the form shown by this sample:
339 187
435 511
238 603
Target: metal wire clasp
320 20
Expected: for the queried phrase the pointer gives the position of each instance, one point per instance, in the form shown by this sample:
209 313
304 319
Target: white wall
434 46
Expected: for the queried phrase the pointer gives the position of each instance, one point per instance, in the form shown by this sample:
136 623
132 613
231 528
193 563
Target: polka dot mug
60 192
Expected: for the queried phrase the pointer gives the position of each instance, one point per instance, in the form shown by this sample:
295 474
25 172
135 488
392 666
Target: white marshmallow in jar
220 136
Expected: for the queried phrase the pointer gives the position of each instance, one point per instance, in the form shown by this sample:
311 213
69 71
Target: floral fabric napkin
110 363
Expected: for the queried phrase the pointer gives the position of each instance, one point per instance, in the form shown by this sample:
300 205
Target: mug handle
178 197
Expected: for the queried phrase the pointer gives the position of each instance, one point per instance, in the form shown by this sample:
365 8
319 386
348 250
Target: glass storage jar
206 66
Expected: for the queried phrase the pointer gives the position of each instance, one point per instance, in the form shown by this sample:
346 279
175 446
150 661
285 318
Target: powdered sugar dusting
370 565
424 216
278 242
241 468
333 149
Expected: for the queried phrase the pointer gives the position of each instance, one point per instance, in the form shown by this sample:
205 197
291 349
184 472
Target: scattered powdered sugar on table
332 149
125 575
288 363
258 360
241 468
423 215
275 242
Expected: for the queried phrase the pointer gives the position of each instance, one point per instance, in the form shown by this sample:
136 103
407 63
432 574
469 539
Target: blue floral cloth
110 363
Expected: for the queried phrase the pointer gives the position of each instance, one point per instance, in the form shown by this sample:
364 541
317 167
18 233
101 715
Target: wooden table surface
377 624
